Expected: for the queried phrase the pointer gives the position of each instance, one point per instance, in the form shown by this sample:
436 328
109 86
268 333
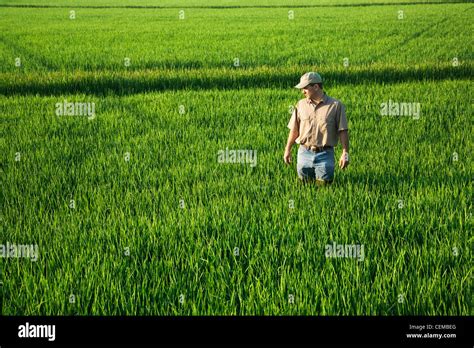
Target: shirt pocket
306 122
327 119
304 117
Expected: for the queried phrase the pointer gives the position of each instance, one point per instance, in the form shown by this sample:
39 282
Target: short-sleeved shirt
319 124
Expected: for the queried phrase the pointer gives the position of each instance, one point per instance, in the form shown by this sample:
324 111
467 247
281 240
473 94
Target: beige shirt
319 125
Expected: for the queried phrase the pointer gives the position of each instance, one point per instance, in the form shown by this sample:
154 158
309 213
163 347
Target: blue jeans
319 166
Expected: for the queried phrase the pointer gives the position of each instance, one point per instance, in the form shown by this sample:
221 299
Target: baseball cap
310 77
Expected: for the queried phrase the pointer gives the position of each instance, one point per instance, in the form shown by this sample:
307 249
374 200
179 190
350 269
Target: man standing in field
316 123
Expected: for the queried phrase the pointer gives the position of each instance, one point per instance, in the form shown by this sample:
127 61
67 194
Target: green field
132 212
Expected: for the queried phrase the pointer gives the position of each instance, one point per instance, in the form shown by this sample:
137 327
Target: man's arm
294 133
344 138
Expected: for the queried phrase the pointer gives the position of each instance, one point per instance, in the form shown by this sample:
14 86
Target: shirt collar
324 100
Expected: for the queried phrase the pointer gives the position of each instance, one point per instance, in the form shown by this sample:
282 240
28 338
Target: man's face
310 92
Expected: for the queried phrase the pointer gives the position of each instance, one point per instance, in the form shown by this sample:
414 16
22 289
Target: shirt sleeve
294 120
341 118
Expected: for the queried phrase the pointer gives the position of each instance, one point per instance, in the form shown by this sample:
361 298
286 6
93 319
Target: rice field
112 121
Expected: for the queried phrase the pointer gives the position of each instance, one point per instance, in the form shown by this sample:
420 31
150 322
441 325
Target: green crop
133 213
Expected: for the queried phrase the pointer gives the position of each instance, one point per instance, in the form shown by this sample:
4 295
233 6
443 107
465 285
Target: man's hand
287 156
344 160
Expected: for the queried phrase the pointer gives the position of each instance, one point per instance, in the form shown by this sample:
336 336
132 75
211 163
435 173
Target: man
316 123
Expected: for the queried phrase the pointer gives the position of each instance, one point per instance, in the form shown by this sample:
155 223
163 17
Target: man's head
311 85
